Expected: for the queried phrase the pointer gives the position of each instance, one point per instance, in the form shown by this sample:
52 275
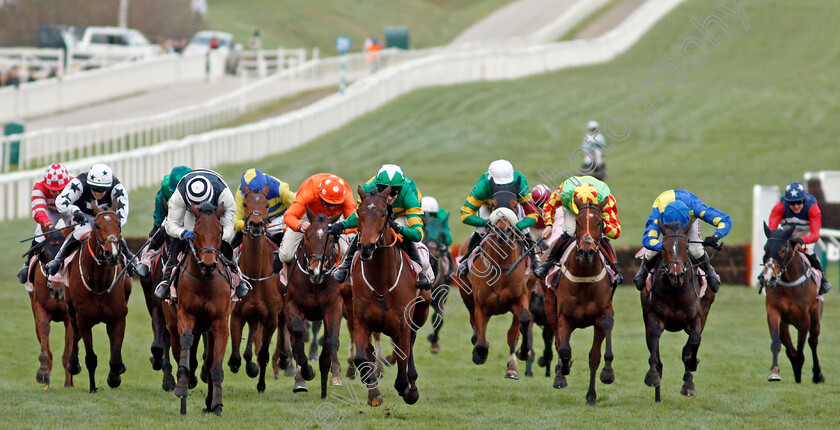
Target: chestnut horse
48 305
494 286
791 300
583 298
385 298
673 302
203 305
98 292
264 303
314 295
160 335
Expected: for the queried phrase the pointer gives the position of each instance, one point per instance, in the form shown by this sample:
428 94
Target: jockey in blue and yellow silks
685 207
280 197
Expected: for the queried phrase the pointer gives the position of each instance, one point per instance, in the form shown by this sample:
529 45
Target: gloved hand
523 224
79 218
483 222
188 235
711 241
46 227
798 241
393 224
336 229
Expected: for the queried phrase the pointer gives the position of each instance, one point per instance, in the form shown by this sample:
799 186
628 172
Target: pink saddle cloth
556 270
61 276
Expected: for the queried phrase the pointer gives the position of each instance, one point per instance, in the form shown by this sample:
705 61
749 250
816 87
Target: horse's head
589 226
255 210
208 236
675 251
777 255
373 215
318 245
106 232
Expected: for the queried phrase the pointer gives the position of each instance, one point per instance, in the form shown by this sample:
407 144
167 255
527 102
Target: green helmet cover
390 174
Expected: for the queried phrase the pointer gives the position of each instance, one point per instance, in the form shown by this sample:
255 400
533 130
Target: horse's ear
335 217
685 230
94 208
578 203
309 214
115 206
603 203
361 192
788 233
386 192
220 211
766 230
662 227
194 210
265 190
245 189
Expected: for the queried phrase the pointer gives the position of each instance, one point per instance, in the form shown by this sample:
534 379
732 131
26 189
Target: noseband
322 258
255 232
785 260
587 233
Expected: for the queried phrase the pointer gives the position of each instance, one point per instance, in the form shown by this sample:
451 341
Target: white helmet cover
501 172
429 204
100 175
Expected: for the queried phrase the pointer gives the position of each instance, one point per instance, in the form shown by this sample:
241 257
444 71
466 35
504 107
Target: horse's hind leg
313 345
438 297
158 332
116 332
236 325
773 320
689 356
184 350
332 329
813 339
42 331
69 337
482 347
548 352
295 322
255 342
564 352
262 354
90 356
594 362
168 383
607 373
529 363
217 373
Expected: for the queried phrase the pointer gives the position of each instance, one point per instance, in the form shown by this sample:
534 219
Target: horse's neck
383 268
795 268
98 277
502 253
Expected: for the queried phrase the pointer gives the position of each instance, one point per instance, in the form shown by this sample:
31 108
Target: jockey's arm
238 219
65 202
173 224
650 239
551 206
447 236
160 210
229 216
119 194
612 227
293 215
721 221
815 224
776 216
39 207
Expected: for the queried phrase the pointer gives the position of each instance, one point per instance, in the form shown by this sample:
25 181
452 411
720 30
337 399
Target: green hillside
316 23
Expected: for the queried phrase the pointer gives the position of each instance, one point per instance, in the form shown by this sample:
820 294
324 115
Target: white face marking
114 250
371 206
320 233
107 217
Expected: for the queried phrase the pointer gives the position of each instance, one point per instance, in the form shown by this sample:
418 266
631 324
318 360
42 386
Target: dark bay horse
583 298
494 286
98 292
673 302
791 300
385 298
264 304
160 335
48 305
536 306
314 295
203 306
440 287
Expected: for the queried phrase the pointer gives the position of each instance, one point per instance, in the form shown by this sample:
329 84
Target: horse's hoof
261 387
591 402
351 372
93 390
480 354
529 373
336 381
374 398
252 369
542 362
47 386
435 348
523 356
688 391
114 380
289 371
474 339
307 372
774 377
652 378
607 376
168 383
43 376
193 381
234 365
560 382
156 364
412 396
204 374
300 387
512 374
181 392
74 367
819 378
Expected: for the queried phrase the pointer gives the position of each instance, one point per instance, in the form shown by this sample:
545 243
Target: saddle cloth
460 258
61 276
556 269
412 265
649 281
232 277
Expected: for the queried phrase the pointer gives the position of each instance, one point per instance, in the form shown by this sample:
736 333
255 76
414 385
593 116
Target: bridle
99 258
786 260
255 232
321 258
587 233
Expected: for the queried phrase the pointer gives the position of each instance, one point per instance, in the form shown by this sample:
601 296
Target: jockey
323 193
194 189
436 227
588 190
158 235
406 212
44 212
540 193
280 197
98 186
798 210
594 146
685 207
476 208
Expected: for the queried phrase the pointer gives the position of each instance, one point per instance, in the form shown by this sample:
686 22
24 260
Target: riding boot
70 245
340 272
817 264
423 282
644 268
133 263
463 268
24 271
553 255
276 264
613 264
237 240
243 288
162 289
711 276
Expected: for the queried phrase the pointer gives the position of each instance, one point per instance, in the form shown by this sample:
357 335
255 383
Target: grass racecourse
762 112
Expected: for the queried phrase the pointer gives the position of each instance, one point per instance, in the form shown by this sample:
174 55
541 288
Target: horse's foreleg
773 320
401 384
351 352
799 359
689 357
548 350
68 352
438 298
607 373
654 331
236 325
513 334
218 334
332 328
364 361
158 330
813 340
295 322
168 383
185 328
42 331
253 344
116 333
594 362
562 332
482 347
269 325
313 345
90 356
525 319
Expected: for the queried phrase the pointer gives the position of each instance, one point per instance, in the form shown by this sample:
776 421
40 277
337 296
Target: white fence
265 62
145 166
43 61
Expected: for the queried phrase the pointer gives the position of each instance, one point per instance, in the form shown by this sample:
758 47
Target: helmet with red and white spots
56 177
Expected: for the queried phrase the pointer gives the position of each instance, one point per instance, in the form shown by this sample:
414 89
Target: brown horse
791 300
264 304
496 284
385 298
98 292
160 335
673 302
440 287
583 298
314 295
203 305
48 305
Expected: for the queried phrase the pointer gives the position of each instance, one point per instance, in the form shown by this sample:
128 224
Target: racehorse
314 295
583 298
203 305
160 341
440 287
496 283
48 305
264 304
675 301
791 300
385 298
98 292
536 306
